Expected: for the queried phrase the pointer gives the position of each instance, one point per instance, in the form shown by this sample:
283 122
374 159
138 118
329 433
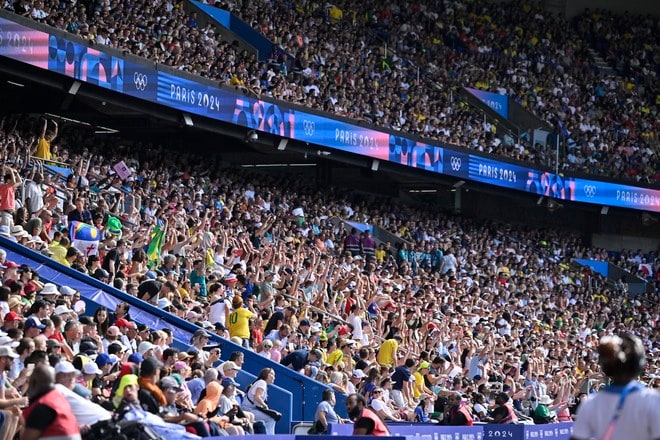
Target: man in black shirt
152 290
113 258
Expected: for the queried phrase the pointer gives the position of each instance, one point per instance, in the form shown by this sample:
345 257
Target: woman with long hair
256 399
101 319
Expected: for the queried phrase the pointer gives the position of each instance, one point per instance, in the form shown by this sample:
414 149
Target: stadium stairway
293 394
614 273
237 27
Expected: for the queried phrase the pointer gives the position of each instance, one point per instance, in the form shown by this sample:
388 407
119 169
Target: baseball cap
6 351
135 358
227 381
88 347
423 365
317 353
62 309
9 342
65 367
34 322
359 374
115 348
105 359
29 288
91 368
304 322
121 322
67 291
201 333
169 382
180 365
149 366
230 365
13 316
101 273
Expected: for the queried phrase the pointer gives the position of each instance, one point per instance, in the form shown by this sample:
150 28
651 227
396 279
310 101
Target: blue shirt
330 414
296 359
401 374
196 386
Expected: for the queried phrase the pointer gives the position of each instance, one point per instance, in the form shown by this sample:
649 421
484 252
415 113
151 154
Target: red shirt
7 197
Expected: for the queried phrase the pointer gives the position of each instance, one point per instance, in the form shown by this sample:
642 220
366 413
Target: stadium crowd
401 65
465 320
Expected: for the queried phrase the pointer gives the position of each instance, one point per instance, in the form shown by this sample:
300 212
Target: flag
155 245
85 238
646 269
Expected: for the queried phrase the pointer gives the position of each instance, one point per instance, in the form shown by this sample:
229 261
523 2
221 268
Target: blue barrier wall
294 394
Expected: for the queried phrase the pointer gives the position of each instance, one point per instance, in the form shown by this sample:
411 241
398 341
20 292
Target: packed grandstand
401 64
456 304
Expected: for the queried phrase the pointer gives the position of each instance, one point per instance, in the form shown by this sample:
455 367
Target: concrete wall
618 242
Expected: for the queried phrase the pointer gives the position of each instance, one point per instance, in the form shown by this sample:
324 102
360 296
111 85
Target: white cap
91 368
7 341
67 291
6 351
62 309
66 367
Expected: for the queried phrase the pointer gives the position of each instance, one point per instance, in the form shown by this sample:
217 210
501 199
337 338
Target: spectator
12 179
86 412
297 359
239 320
151 397
49 413
503 412
387 354
402 393
207 407
256 399
622 359
47 136
356 407
456 413
325 413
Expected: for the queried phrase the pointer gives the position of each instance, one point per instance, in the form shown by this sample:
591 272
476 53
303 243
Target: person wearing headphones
625 409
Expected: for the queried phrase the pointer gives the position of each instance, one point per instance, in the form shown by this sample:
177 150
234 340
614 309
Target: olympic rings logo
590 190
309 127
140 80
455 163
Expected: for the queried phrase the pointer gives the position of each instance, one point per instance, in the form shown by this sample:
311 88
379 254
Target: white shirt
86 412
260 384
639 418
34 192
217 312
